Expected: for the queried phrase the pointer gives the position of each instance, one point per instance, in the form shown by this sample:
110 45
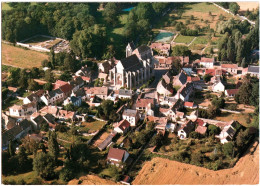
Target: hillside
161 171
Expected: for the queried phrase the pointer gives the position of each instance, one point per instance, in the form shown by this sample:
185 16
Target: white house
76 101
186 129
132 116
122 126
207 62
218 87
231 92
184 92
228 132
23 110
53 97
124 93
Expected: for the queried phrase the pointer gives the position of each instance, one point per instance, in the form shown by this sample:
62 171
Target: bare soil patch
161 171
18 57
101 139
91 180
248 5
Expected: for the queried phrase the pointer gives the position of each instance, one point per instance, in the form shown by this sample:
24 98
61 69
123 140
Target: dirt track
91 180
166 172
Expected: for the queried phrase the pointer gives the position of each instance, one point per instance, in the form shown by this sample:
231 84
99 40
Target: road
158 73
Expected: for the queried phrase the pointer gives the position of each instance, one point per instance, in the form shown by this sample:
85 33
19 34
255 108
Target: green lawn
200 40
183 39
93 126
202 7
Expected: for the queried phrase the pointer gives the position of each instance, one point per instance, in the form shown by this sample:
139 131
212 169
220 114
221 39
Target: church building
136 69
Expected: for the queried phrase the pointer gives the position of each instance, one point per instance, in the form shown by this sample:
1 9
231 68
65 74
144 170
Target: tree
49 76
196 158
22 156
53 145
11 148
45 127
45 63
44 165
228 148
254 99
234 7
244 92
213 111
30 145
32 85
52 58
207 78
218 102
213 130
65 76
243 64
110 13
180 50
195 135
47 86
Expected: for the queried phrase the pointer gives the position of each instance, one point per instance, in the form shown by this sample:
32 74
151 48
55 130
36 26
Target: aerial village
110 119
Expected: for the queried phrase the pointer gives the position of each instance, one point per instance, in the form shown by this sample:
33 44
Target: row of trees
142 17
232 46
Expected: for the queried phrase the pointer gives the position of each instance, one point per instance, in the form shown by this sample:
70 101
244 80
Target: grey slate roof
33 97
54 92
189 127
186 89
143 48
183 78
131 63
50 118
130 112
125 92
80 92
25 124
39 120
74 99
132 45
253 69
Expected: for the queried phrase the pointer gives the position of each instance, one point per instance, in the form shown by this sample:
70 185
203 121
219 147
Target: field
5 6
91 180
92 126
241 118
161 171
19 57
184 39
248 5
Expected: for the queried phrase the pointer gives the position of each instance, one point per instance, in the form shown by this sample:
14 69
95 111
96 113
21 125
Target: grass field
241 118
5 6
19 57
200 11
93 126
200 40
183 39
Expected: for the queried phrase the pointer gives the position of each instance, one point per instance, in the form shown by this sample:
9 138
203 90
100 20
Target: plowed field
161 171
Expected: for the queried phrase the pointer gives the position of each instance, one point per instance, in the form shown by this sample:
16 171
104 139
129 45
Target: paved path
229 12
224 110
192 41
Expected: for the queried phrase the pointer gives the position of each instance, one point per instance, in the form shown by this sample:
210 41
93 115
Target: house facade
23 110
117 156
132 116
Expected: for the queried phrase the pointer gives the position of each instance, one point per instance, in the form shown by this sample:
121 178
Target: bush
194 135
228 149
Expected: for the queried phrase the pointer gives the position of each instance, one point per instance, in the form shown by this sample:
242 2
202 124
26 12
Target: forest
83 24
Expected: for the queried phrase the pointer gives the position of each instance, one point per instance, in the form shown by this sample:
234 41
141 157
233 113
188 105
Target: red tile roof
123 125
144 102
205 59
188 104
210 72
191 79
115 153
233 66
201 129
66 88
85 78
199 122
160 46
232 91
